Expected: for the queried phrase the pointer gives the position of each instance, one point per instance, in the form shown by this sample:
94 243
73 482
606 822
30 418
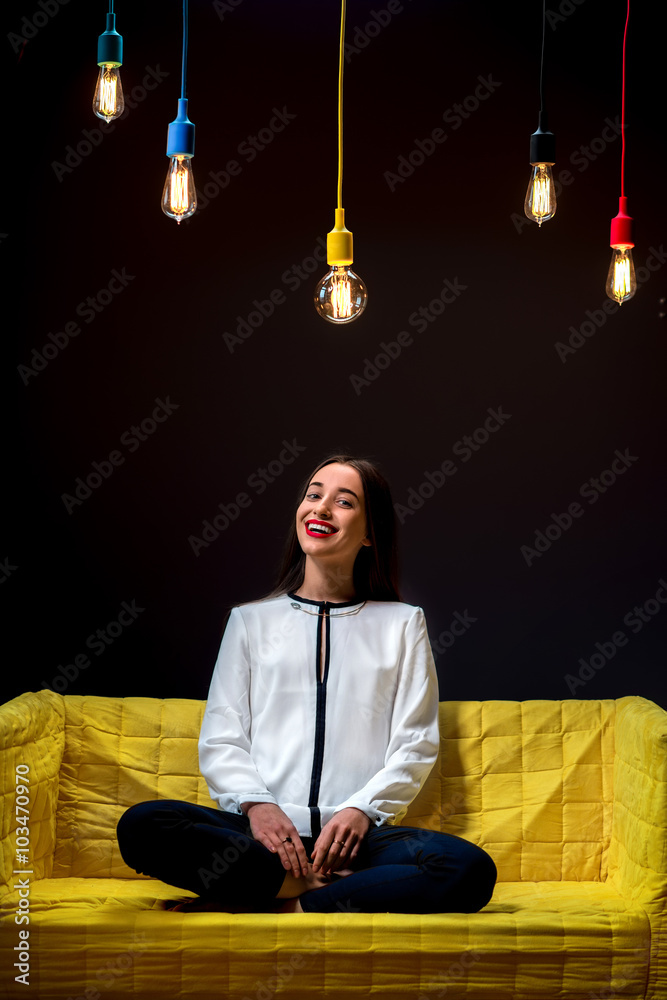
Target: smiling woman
372 572
320 728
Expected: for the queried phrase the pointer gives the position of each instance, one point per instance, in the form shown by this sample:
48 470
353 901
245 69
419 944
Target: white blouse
364 734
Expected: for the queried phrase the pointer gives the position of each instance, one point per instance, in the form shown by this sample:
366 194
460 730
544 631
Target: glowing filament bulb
341 295
621 281
179 199
108 102
540 202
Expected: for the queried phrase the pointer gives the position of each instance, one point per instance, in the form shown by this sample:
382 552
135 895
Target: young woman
320 728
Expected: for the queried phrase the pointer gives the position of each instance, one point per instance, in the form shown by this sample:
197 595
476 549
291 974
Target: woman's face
331 518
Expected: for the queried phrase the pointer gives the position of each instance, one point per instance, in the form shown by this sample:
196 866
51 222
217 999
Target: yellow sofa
568 797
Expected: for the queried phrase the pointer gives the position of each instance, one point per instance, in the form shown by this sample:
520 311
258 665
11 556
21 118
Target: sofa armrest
638 849
32 735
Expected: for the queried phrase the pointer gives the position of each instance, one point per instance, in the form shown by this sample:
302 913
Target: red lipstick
320 534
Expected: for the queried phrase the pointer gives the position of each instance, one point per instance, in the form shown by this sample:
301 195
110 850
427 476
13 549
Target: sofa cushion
120 751
531 782
551 939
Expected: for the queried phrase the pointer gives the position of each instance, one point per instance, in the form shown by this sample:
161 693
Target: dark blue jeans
213 854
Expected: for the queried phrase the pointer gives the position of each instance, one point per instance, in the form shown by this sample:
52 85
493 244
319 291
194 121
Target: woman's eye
345 502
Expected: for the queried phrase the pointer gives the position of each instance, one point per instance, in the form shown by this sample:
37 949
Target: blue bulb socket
110 45
181 133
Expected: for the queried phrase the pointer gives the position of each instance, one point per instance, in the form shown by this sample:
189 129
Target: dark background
459 216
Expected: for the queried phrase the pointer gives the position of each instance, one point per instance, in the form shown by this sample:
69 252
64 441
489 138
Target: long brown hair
375 574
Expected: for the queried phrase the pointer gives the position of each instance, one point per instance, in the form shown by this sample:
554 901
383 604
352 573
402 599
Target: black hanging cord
544 27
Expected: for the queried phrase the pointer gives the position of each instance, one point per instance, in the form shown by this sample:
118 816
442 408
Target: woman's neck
334 584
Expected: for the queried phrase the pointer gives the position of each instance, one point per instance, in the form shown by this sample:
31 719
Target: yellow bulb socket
339 242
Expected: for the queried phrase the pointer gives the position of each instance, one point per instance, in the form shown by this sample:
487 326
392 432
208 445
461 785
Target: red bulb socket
621 227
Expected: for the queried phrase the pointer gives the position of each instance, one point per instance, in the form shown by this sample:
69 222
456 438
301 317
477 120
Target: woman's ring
287 840
340 842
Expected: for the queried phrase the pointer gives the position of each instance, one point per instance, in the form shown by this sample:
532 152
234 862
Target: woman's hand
340 839
272 828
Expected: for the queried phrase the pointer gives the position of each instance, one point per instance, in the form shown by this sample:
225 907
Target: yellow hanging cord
339 240
340 104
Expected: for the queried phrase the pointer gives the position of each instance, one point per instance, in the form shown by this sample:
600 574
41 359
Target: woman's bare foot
291 906
293 887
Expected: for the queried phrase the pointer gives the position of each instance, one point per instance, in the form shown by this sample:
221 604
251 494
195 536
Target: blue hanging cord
184 62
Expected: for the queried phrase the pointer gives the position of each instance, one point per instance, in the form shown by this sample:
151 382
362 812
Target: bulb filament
541 200
108 93
622 279
341 296
179 188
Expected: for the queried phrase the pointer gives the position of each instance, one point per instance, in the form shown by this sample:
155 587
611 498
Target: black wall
83 221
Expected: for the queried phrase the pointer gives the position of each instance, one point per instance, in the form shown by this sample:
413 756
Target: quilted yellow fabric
568 797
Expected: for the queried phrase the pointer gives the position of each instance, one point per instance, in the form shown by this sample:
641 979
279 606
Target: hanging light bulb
341 295
179 197
540 201
621 280
108 101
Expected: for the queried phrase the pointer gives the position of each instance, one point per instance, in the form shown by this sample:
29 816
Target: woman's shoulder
395 609
263 606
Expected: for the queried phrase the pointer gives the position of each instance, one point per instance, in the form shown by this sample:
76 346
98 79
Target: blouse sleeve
414 738
224 740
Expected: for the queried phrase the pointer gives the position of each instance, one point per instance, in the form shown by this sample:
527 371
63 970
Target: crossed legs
213 854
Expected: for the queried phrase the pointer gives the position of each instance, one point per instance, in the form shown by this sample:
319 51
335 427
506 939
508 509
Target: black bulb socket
543 143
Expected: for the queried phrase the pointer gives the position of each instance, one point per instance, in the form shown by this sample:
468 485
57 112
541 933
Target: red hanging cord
625 35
